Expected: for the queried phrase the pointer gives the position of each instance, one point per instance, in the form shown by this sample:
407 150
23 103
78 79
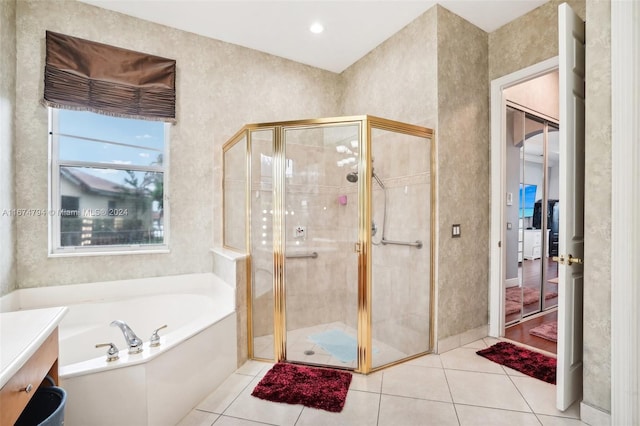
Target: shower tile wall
401 274
316 288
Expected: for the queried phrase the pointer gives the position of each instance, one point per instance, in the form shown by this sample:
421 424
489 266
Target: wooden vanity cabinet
13 395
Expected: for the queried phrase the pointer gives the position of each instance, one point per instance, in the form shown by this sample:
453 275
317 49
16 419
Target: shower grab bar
416 244
312 255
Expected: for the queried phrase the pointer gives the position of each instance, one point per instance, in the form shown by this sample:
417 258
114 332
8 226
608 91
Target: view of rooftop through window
110 180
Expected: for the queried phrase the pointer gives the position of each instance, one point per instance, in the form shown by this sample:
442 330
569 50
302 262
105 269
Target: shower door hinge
356 247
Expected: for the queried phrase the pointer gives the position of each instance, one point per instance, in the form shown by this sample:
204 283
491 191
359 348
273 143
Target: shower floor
300 348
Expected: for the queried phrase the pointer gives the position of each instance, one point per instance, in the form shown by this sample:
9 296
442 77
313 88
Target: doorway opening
525 200
531 210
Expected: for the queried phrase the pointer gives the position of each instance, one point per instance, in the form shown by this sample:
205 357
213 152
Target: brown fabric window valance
84 75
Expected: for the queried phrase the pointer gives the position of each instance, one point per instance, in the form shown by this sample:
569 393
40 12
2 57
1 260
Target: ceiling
352 27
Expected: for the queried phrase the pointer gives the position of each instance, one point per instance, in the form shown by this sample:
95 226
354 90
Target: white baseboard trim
594 416
512 282
453 342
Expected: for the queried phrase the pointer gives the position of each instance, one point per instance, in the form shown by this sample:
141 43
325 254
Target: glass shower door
261 225
321 229
401 267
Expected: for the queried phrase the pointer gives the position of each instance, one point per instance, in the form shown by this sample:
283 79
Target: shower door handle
312 255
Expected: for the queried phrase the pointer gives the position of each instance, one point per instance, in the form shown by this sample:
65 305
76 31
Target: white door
571 232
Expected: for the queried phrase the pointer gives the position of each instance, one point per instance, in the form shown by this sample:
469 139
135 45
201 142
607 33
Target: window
69 206
107 183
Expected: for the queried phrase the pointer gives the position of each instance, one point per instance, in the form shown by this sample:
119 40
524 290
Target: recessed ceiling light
316 28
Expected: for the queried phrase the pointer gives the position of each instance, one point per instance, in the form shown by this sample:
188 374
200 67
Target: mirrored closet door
531 212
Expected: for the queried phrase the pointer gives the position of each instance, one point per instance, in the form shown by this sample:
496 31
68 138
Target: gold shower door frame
363 246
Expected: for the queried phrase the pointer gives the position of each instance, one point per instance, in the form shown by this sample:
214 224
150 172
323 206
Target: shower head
353 177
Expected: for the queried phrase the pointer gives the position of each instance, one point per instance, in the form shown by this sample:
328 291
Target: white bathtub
162 384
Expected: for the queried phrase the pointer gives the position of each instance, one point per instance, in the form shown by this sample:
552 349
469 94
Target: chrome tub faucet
133 341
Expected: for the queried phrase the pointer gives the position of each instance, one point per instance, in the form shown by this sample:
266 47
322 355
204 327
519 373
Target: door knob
571 260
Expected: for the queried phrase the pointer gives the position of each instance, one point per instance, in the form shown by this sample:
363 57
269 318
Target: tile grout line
532 410
502 409
523 398
245 420
234 399
299 415
453 403
380 399
238 395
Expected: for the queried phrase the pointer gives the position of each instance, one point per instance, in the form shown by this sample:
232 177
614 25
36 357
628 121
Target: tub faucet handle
112 352
155 338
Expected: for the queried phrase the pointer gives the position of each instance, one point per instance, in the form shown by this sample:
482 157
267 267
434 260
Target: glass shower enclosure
336 215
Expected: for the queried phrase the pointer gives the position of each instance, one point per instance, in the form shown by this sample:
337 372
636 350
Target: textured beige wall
530 39
597 268
220 87
7 129
398 79
463 175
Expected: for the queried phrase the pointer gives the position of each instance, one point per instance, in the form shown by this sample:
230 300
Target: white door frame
498 186
625 212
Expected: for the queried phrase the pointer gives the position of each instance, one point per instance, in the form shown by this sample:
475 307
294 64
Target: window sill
123 251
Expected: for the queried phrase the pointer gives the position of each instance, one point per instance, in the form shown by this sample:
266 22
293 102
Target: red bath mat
322 388
531 363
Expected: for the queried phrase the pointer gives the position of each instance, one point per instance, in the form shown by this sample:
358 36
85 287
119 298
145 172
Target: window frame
55 248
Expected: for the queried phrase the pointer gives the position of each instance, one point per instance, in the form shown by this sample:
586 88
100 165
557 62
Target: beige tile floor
454 388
